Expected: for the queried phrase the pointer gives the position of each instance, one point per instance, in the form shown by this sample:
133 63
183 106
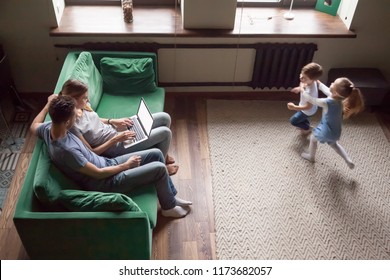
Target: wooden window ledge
166 22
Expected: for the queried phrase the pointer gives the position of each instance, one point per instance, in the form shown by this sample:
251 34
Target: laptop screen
145 116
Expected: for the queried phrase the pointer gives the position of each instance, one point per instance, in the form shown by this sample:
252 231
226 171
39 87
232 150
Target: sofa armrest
56 234
85 235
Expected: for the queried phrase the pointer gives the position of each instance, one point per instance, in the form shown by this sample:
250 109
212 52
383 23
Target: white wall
347 10
24 31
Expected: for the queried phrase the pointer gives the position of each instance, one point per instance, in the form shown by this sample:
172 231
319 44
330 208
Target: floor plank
189 237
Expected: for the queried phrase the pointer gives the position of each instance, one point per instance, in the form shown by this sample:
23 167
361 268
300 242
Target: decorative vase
127 7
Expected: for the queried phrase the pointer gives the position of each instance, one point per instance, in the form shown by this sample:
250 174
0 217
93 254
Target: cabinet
370 81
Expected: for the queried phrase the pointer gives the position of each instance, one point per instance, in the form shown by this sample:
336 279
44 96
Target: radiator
279 65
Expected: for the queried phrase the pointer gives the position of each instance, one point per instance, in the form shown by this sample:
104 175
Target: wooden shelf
251 22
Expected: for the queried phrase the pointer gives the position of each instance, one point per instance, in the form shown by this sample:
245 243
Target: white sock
341 151
307 156
175 212
182 202
311 153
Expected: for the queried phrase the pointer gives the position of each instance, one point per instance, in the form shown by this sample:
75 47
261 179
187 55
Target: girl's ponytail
353 104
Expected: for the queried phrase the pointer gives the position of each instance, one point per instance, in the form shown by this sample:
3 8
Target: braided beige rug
272 204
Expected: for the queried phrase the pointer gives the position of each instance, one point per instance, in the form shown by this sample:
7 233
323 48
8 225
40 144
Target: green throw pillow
85 70
77 200
128 75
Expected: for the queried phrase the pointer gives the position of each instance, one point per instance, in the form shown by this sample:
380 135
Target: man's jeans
151 171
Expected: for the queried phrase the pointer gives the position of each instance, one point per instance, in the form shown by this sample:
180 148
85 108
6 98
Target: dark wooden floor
189 238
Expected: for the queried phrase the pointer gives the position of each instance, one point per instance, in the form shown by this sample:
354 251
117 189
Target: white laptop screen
145 117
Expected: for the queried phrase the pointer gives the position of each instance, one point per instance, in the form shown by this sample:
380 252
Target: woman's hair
74 89
312 70
61 109
353 102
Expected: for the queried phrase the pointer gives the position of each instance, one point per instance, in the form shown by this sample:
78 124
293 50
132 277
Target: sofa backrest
28 202
85 70
128 75
72 57
86 66
49 181
98 55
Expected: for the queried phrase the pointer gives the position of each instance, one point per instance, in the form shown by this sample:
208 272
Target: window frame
117 2
281 3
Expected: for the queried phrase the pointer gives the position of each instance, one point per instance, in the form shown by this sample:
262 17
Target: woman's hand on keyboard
124 136
122 123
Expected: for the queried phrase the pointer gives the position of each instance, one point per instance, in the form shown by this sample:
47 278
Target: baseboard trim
258 95
261 95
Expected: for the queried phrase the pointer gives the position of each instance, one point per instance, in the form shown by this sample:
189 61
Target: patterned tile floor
10 149
5 181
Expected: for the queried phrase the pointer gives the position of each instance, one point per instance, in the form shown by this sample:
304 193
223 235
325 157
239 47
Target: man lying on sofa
95 173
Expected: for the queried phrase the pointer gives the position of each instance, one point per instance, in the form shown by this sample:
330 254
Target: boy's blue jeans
300 120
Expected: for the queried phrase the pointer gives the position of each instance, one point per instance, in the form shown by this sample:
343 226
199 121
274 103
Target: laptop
142 125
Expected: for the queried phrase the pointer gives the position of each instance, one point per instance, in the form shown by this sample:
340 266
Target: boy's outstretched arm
38 120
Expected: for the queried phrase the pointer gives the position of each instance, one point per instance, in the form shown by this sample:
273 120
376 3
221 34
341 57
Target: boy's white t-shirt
311 90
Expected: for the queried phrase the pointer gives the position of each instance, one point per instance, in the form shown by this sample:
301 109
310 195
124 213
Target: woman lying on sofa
102 136
96 173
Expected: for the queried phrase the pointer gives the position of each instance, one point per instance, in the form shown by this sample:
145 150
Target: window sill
84 21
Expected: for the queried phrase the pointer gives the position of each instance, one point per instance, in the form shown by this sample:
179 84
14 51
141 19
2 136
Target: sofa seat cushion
77 200
85 71
129 75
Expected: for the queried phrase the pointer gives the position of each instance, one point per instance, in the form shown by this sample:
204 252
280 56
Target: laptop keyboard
139 133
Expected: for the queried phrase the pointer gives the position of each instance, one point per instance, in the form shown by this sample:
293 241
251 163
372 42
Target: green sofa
54 217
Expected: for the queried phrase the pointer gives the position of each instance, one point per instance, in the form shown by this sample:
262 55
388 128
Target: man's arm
38 120
101 173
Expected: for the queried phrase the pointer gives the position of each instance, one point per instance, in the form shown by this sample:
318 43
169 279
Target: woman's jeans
160 138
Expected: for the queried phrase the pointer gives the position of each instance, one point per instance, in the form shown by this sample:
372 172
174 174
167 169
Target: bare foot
172 169
169 160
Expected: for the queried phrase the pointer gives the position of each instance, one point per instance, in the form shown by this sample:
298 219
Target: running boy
308 77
